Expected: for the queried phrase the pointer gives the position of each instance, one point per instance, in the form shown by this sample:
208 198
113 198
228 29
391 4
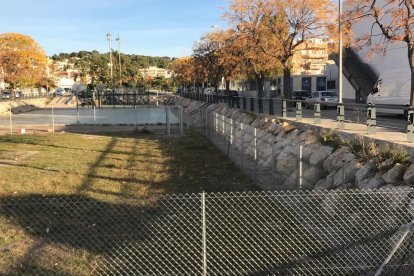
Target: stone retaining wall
21 106
268 151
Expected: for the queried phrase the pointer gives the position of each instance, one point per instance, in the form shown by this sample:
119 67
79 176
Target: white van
393 87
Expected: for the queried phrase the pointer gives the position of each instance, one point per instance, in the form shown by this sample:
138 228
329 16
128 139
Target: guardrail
281 107
24 97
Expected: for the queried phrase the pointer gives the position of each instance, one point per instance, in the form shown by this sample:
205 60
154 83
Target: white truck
392 88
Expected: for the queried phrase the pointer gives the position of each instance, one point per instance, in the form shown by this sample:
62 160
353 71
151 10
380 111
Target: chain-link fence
281 157
326 110
251 233
162 119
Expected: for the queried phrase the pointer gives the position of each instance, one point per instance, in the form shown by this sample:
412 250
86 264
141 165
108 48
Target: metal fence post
255 154
299 111
410 125
317 113
11 123
206 119
273 162
242 145
212 126
181 118
260 105
167 119
53 121
340 118
271 110
216 125
230 151
201 119
223 121
371 119
234 139
394 250
204 232
113 98
300 167
284 109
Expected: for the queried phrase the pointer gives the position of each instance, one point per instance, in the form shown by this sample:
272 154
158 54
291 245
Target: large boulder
286 163
319 156
338 159
292 182
306 137
371 183
325 184
346 174
395 174
311 177
289 138
310 149
367 171
409 176
279 180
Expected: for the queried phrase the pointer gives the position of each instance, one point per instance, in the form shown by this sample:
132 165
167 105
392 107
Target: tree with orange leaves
206 53
278 27
23 61
228 60
391 21
187 71
247 16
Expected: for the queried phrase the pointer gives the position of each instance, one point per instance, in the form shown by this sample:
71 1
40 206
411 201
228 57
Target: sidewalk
383 134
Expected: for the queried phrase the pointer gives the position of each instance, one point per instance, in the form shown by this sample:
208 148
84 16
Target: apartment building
154 72
311 57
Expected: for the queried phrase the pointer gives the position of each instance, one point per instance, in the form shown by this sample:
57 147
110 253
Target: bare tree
391 21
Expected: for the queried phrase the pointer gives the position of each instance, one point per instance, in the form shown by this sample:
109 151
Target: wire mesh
343 232
283 158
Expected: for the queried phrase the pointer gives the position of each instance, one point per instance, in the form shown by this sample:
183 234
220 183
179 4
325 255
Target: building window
331 84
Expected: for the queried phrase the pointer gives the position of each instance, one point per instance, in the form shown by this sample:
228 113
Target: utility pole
119 56
109 38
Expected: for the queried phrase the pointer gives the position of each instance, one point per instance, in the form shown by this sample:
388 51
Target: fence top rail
397 191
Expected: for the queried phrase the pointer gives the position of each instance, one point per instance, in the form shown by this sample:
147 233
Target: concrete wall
21 106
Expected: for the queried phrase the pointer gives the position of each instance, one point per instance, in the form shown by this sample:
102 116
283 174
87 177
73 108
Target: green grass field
118 171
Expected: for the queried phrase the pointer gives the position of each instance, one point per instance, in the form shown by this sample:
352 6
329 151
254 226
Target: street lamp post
340 108
119 57
109 38
340 54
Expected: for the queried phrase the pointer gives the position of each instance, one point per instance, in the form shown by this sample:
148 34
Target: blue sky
149 27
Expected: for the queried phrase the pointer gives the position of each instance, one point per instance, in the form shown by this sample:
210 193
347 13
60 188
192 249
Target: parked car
325 98
18 94
232 93
299 95
392 88
209 91
6 94
59 92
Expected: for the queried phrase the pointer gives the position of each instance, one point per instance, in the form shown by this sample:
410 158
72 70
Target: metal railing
356 113
249 233
25 96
